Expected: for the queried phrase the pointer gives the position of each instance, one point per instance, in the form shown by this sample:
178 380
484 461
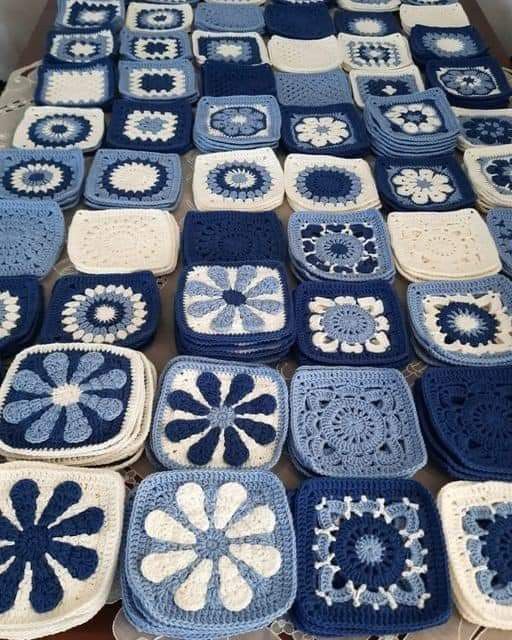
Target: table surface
163 348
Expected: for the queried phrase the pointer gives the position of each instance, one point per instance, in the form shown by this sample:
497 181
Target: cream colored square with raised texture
75 87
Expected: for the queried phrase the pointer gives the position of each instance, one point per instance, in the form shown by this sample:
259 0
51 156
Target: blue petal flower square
148 45
21 310
80 45
90 14
484 127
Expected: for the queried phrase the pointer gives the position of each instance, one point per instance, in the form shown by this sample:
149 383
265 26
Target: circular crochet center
369 552
468 323
233 297
351 425
488 421
329 184
339 249
348 323
498 548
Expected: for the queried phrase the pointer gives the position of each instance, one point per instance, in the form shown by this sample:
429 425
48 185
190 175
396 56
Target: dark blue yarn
80 7
30 301
227 79
345 22
303 22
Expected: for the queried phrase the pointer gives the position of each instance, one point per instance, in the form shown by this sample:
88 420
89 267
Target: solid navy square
227 79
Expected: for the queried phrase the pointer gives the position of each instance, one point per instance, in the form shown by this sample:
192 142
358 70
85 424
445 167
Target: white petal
159 566
162 526
378 343
259 520
230 497
351 347
320 305
344 300
324 343
316 322
372 305
235 594
192 594
263 558
190 499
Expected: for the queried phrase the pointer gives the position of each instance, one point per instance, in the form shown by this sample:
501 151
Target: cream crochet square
304 56
451 15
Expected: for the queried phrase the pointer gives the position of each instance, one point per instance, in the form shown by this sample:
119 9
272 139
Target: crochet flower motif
450 45
374 55
39 545
416 118
155 48
477 81
423 186
242 299
241 180
238 122
134 178
236 549
321 131
55 396
104 314
489 531
348 324
370 553
155 126
500 173
10 313
328 184
227 420
487 130
36 179
159 19
229 50
158 83
59 131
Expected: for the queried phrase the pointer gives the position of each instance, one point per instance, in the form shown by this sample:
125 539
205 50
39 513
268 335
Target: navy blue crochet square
336 130
446 43
423 184
398 83
121 309
89 14
151 126
241 49
303 22
371 558
232 236
80 45
148 45
482 129
366 23
226 79
349 324
21 309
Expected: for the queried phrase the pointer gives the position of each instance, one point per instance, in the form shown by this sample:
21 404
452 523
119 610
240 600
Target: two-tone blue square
80 45
446 43
366 23
158 80
21 309
90 14
148 45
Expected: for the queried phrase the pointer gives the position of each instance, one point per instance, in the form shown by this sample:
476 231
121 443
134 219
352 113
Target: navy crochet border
303 22
31 306
74 35
129 39
344 22
227 79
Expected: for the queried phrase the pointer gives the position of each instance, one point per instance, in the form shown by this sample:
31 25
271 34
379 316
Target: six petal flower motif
416 118
321 131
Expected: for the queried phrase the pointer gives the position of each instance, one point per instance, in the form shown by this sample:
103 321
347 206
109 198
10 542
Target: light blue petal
77 428
264 287
16 412
250 321
107 408
115 379
203 307
56 365
194 288
244 276
87 365
41 429
224 320
29 382
219 275
268 306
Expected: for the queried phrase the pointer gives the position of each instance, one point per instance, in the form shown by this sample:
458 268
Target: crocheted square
153 16
160 80
499 222
326 183
61 536
374 52
80 45
345 246
384 83
31 239
371 558
481 127
230 46
226 79
75 85
148 45
477 519
151 126
211 414
134 179
345 324
304 56
326 404
489 171
366 23
90 14
432 43
467 322
232 236
123 240
420 184
336 130
248 180
448 15
369 5
21 308
226 563
313 89
226 17
111 309
307 22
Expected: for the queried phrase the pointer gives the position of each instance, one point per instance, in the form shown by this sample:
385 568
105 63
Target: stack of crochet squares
76 404
21 310
490 171
499 222
484 127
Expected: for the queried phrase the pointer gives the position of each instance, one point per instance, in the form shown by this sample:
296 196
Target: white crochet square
442 246
76 86
366 5
155 17
490 172
230 51
123 240
450 15
372 52
245 180
304 56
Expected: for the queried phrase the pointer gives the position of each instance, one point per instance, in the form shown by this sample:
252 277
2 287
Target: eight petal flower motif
149 125
348 324
487 130
59 130
468 82
321 131
423 186
500 172
10 313
415 118
236 548
37 543
55 397
34 179
238 121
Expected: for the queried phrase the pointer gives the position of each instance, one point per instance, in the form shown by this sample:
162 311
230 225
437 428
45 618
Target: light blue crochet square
80 46
148 45
499 222
211 16
313 89
90 14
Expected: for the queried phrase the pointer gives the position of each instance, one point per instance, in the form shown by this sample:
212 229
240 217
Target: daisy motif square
371 558
350 324
61 536
211 414
80 45
158 80
430 43
384 52
90 14
212 552
21 308
246 48
385 83
155 17
116 309
149 46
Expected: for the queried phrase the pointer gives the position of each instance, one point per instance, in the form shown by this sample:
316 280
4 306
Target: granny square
340 246
80 45
499 222
159 80
229 46
446 43
336 130
75 85
467 322
477 519
374 52
423 184
232 236
313 89
61 536
489 169
90 14
227 79
350 324
369 5
138 179
21 308
355 422
60 128
31 239
385 83
366 23
304 21
371 558
481 127
148 45
304 56
229 17
121 309
212 414
210 553
153 16
151 126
